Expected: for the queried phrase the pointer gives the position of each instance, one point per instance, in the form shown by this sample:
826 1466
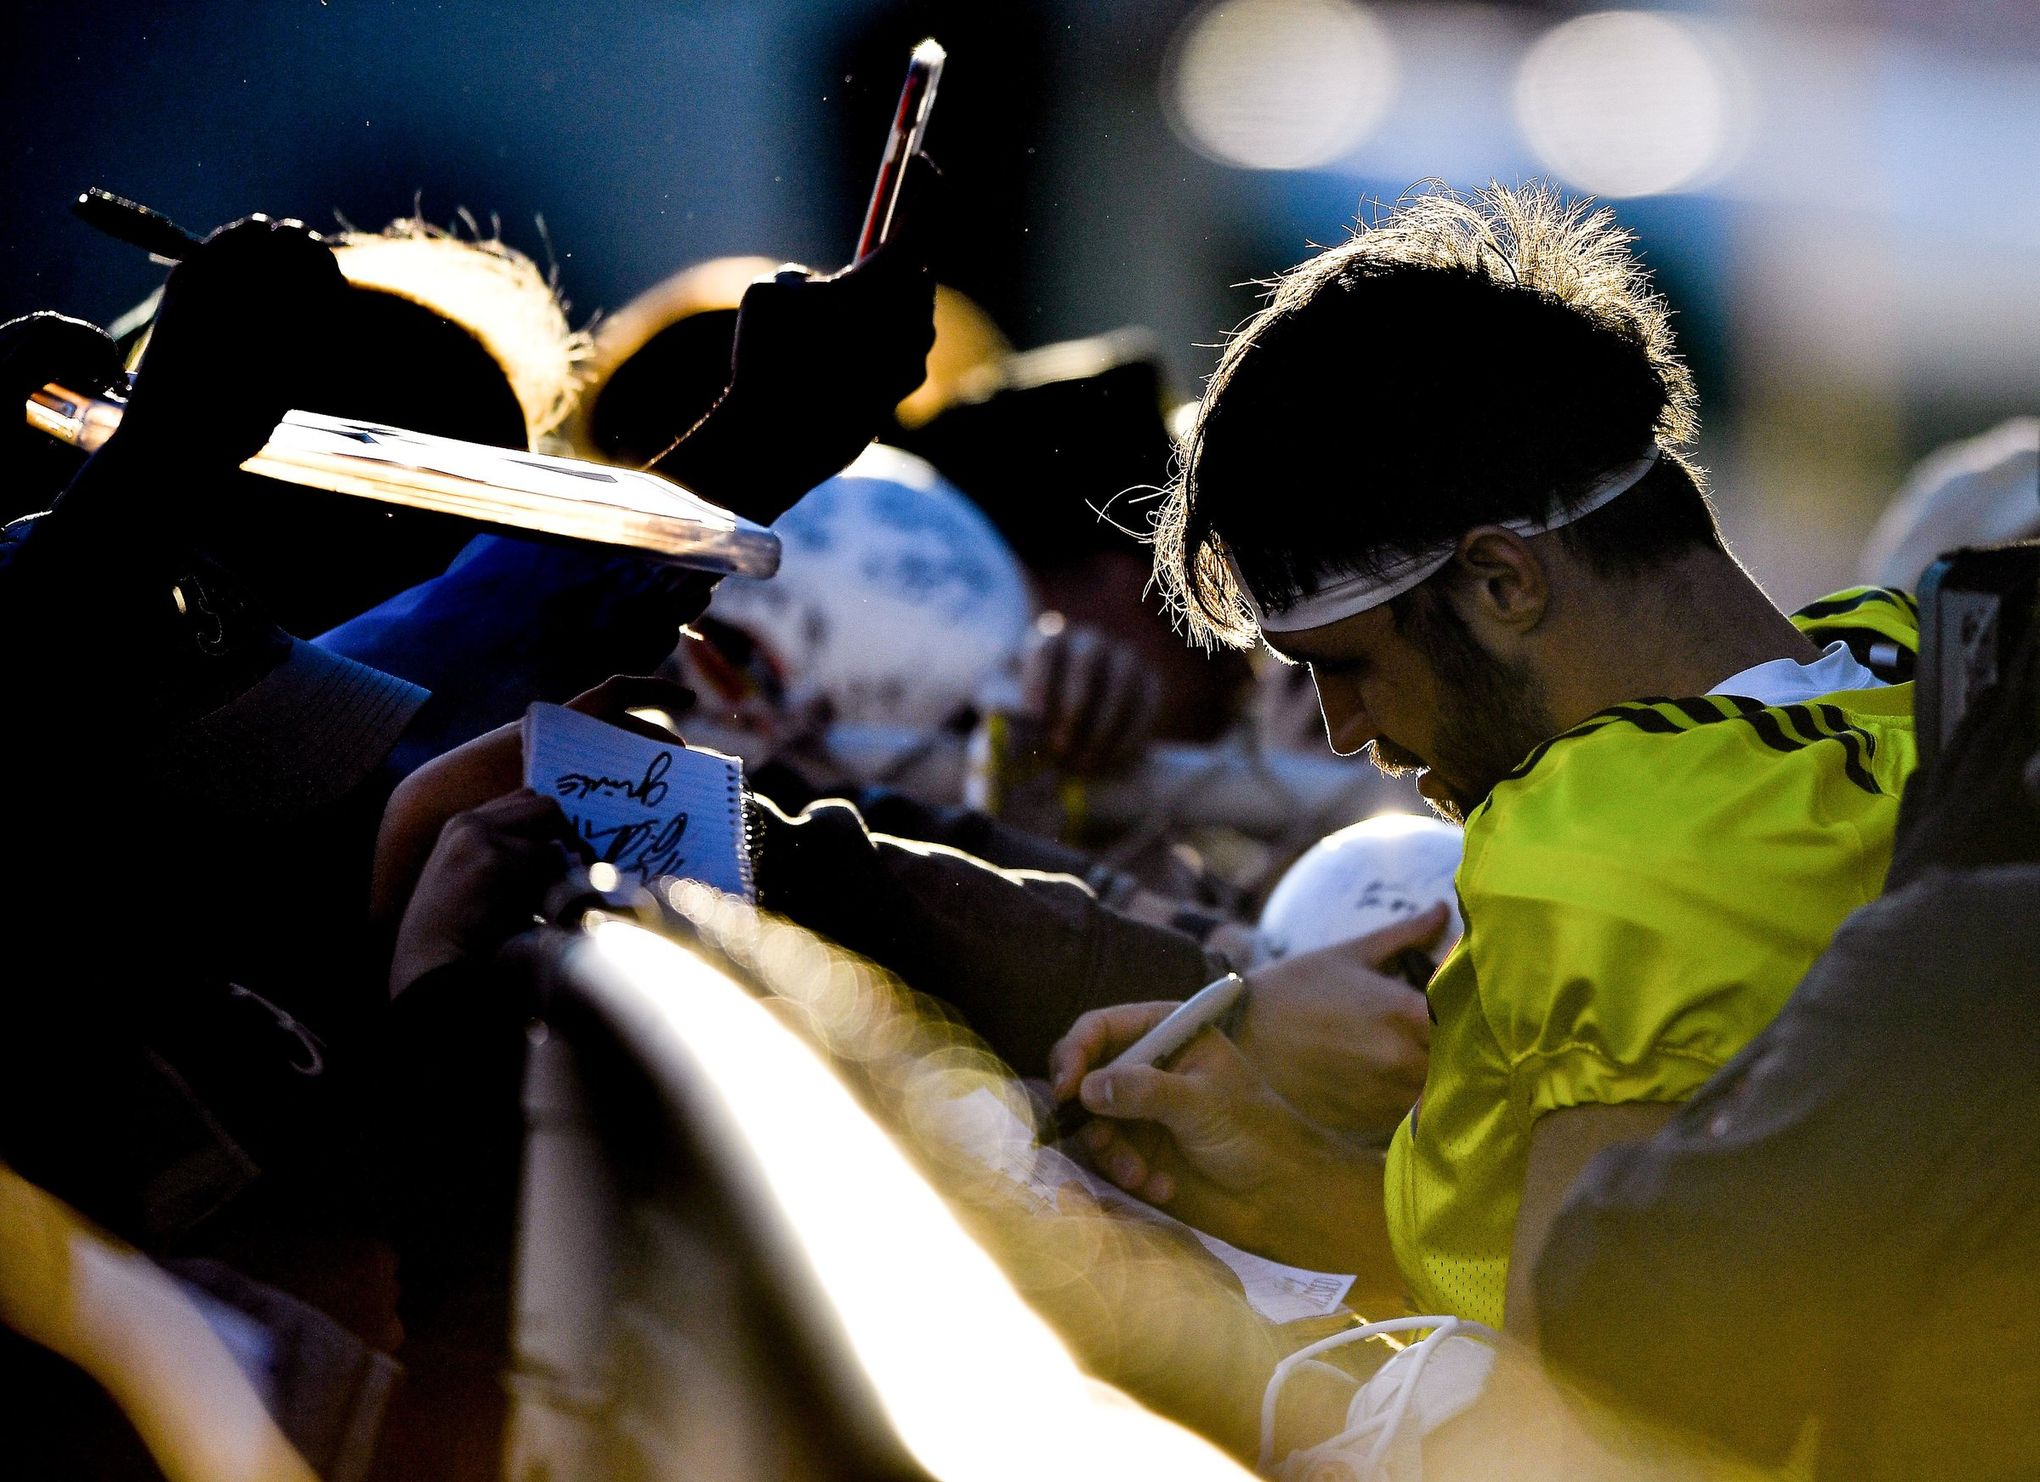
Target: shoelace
1403 1371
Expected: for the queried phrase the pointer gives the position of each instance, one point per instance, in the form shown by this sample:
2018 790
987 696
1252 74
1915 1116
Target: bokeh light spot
1279 84
1624 103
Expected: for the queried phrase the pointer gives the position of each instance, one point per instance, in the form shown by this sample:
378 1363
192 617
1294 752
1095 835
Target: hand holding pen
1217 1005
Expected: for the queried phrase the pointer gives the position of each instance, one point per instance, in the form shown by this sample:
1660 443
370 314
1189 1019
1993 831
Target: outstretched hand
819 364
227 355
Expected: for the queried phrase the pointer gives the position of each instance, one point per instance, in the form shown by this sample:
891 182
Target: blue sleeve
512 621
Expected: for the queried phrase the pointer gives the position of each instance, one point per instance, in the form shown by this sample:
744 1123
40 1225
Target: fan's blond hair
1526 237
490 289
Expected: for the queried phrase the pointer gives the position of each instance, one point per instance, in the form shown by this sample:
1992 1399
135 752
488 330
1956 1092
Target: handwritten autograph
648 789
645 847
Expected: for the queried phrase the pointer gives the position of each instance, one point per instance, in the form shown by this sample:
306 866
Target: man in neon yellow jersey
1444 467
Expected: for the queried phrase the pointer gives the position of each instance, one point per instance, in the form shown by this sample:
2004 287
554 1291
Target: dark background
620 140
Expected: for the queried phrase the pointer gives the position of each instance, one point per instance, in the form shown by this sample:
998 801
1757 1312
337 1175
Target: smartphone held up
902 143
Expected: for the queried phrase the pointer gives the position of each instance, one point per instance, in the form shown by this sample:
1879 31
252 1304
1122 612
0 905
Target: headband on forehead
1345 596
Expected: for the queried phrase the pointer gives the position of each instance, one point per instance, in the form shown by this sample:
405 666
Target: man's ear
1501 585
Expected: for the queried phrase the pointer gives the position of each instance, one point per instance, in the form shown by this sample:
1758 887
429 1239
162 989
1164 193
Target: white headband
1348 595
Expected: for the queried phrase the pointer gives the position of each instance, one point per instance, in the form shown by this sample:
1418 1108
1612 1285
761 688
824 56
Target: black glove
233 345
35 350
819 364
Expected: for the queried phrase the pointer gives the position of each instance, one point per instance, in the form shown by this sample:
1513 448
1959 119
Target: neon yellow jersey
1641 896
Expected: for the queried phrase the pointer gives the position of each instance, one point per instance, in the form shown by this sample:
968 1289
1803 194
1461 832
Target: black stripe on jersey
1836 606
1657 723
1772 734
1859 745
1704 710
1591 723
1855 760
1837 723
1645 715
1801 722
1696 710
1813 725
1809 726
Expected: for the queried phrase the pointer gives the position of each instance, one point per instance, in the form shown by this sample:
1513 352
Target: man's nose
1348 726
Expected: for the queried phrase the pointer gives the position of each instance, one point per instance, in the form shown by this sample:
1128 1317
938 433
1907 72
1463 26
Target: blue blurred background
1838 196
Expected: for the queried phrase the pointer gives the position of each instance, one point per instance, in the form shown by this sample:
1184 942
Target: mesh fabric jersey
1641 895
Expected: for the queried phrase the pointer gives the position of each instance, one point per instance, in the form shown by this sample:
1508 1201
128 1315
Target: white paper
648 808
986 1126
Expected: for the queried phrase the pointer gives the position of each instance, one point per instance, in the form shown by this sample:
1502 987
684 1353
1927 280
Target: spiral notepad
649 808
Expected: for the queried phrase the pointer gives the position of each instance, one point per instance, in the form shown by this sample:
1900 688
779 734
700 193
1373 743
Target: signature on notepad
648 789
647 846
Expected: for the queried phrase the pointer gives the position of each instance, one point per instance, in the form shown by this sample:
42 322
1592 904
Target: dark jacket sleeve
1865 1163
512 621
1018 953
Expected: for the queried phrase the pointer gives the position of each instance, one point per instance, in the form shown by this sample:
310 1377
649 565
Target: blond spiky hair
1528 239
490 289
